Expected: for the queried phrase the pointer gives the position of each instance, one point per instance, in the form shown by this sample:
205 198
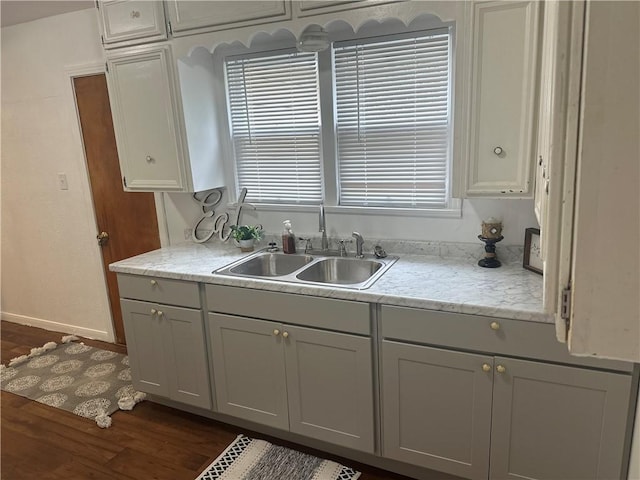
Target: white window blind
274 111
393 120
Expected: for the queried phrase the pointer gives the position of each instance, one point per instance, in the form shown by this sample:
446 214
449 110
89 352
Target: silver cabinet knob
276 332
153 311
135 14
160 314
498 150
149 158
154 282
285 334
501 369
486 367
495 326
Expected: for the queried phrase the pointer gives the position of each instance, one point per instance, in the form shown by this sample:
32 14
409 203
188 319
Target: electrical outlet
62 181
187 234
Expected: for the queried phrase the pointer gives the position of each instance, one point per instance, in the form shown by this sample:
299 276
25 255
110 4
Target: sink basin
340 271
323 268
271 264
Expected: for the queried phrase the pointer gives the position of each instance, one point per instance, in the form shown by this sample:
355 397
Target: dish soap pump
288 238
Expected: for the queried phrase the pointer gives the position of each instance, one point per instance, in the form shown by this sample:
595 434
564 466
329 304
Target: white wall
183 213
52 274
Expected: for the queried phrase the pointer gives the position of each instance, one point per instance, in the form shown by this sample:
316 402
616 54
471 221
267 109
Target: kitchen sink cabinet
484 415
310 381
166 343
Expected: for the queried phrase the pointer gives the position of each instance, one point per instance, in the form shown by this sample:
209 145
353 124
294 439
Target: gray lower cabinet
553 421
309 381
167 351
480 416
436 408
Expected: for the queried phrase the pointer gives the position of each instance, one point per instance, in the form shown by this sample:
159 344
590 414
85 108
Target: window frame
328 146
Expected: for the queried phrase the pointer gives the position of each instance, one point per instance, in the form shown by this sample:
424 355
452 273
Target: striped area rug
250 459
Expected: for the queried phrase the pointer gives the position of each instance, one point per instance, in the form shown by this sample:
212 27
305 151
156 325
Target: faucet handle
379 252
307 246
342 249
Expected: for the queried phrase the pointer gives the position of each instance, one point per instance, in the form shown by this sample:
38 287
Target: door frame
85 70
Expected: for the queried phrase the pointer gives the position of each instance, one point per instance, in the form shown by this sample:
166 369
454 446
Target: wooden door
552 422
248 369
436 408
128 218
330 386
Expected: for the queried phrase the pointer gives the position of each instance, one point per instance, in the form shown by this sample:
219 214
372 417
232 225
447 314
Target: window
274 110
392 122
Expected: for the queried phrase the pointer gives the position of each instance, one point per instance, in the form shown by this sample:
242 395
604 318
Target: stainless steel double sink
323 268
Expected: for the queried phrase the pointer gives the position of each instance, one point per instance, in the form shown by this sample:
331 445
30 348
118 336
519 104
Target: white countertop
421 281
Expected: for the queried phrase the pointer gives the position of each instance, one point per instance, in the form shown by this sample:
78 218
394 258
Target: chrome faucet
359 243
323 229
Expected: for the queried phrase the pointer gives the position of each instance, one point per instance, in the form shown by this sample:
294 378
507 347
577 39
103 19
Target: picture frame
532 259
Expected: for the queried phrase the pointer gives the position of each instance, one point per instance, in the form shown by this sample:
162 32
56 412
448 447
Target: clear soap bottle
288 238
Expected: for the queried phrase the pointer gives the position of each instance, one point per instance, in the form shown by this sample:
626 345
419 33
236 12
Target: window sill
454 211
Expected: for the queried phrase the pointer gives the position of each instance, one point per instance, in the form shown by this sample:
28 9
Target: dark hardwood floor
150 442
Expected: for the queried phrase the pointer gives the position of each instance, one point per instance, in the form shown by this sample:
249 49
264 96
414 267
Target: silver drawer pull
495 326
498 151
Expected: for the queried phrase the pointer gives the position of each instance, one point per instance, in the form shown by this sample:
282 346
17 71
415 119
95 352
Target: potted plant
246 235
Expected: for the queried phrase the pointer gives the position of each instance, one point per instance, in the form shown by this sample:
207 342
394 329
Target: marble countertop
452 284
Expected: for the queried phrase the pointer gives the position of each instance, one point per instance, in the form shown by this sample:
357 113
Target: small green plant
246 232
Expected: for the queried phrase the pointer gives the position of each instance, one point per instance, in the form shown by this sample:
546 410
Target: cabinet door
248 369
330 386
198 16
436 408
146 347
142 95
127 22
185 355
502 99
551 422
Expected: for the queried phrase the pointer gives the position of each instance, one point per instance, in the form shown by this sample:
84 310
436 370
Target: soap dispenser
288 238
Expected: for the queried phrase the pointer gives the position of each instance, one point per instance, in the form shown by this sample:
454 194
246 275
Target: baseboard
58 327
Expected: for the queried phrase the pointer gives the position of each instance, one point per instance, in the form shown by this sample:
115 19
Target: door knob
102 237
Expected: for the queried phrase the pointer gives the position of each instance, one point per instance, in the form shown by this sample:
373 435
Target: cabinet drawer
341 315
483 334
159 290
131 22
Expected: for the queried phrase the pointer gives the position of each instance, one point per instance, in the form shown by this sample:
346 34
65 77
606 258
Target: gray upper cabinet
189 17
127 22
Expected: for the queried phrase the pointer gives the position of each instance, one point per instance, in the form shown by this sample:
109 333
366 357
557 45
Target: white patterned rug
75 377
249 459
